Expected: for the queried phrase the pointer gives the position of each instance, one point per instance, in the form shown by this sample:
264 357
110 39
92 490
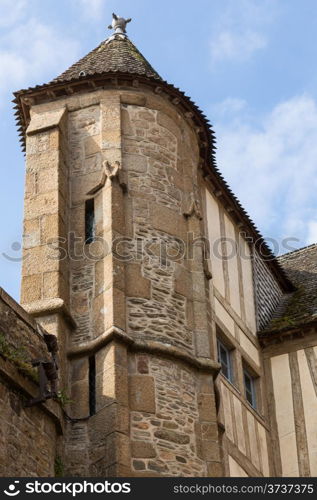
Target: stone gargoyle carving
110 172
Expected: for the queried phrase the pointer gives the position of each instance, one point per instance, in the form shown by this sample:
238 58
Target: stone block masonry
29 437
173 429
155 419
154 153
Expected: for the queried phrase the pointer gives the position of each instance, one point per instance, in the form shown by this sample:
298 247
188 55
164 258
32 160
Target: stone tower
114 263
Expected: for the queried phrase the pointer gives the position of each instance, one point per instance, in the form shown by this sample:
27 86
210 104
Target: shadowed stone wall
29 437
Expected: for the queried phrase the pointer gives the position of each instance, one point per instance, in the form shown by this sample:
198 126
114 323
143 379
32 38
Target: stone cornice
151 347
50 306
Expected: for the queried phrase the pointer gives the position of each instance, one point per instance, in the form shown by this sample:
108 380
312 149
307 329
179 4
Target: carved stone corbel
193 207
110 172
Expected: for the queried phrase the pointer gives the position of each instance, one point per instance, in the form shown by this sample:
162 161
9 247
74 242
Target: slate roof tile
299 307
118 55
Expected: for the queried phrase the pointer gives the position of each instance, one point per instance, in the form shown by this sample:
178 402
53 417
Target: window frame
252 392
229 365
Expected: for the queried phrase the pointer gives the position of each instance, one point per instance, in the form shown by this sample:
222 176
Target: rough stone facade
29 437
173 434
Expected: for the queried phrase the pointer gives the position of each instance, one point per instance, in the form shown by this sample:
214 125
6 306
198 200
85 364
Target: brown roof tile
117 55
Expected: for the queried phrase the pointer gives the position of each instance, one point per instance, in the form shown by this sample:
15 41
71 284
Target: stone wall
160 155
29 437
173 428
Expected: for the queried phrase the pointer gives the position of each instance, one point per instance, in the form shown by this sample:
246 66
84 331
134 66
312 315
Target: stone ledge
42 122
151 347
21 382
94 345
50 306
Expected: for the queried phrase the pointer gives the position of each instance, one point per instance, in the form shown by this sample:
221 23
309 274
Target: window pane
225 370
249 384
224 360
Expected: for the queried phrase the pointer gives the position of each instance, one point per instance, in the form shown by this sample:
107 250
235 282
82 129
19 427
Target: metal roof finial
119 25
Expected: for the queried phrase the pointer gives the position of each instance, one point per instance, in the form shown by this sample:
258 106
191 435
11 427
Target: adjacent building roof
118 58
300 307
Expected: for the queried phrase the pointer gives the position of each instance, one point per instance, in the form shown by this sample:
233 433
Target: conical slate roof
116 55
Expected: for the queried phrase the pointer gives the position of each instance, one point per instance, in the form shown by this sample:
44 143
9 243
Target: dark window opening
90 221
92 385
249 385
224 359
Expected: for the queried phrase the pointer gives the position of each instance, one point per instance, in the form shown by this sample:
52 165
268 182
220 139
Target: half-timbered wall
246 437
291 368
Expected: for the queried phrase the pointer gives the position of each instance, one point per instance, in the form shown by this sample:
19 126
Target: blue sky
249 64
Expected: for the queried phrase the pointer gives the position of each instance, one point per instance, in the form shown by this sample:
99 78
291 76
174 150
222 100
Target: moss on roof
300 307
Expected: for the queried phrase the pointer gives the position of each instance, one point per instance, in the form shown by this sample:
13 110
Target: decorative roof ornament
119 25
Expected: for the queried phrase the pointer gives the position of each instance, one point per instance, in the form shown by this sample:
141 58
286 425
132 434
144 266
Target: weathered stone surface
142 393
32 288
138 465
169 435
31 233
207 408
28 436
111 418
143 364
183 281
136 284
172 432
45 121
166 220
215 469
211 450
142 449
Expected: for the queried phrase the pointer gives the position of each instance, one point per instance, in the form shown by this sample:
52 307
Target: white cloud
33 53
241 31
229 106
271 163
92 8
312 232
11 11
237 46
